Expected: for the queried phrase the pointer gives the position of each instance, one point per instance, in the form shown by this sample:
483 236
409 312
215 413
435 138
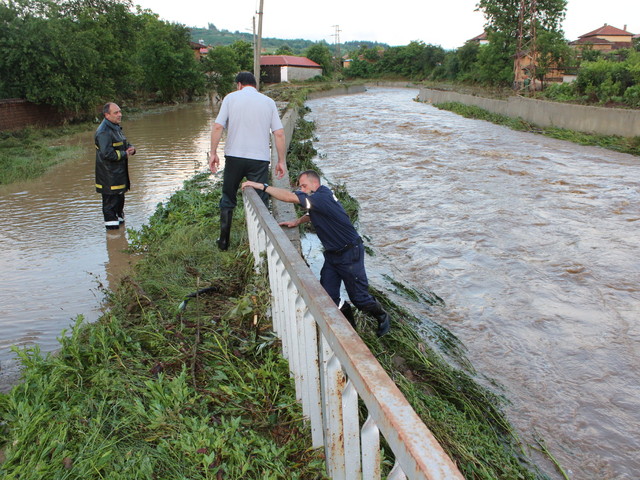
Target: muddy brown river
531 242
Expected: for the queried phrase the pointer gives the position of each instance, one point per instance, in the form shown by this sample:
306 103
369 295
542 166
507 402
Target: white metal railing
332 368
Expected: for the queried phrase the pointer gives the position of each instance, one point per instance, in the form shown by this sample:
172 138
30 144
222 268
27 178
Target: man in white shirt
249 117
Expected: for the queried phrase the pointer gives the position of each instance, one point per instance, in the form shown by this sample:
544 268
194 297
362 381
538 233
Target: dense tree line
76 54
601 77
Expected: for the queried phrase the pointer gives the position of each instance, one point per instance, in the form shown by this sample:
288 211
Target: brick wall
16 113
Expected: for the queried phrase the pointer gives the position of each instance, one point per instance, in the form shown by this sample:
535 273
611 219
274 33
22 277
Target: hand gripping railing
332 367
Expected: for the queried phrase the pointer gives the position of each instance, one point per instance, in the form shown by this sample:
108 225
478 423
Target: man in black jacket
112 165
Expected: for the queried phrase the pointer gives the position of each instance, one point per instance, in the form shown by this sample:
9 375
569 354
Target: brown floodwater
532 243
55 254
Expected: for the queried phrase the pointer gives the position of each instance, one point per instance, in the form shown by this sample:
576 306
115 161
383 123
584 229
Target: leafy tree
467 57
495 62
284 50
589 54
221 66
64 54
415 60
244 55
359 68
502 28
321 54
553 52
503 15
168 63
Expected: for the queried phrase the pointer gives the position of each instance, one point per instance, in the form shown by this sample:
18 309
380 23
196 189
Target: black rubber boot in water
347 311
226 215
379 313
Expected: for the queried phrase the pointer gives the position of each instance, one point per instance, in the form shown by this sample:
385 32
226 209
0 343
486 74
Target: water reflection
119 260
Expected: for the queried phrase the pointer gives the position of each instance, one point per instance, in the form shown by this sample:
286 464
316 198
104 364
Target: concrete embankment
595 120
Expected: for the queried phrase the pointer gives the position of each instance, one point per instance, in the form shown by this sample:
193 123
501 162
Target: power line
336 37
525 74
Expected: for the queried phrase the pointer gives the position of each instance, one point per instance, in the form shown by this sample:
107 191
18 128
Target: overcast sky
448 23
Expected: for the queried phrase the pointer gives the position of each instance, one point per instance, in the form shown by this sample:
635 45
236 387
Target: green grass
611 142
29 153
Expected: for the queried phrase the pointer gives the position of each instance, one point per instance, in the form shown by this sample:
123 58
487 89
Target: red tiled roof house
605 38
286 68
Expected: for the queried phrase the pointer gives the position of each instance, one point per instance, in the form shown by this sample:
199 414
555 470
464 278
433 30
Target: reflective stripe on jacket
112 161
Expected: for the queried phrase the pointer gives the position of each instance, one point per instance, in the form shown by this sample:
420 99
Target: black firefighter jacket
112 162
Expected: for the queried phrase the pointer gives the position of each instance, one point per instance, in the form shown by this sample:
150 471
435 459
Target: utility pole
256 62
258 50
527 46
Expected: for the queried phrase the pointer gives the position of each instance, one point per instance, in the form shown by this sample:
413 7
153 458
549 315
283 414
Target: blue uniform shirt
329 218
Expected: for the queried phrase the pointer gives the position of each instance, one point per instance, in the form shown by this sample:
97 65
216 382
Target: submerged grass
611 142
28 153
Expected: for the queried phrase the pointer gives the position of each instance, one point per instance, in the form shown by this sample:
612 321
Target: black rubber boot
347 311
226 215
379 313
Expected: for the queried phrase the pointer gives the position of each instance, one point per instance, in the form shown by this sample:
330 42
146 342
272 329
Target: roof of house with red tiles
287 60
477 38
608 31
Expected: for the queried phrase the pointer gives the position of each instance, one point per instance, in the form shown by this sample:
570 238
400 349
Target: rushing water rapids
531 242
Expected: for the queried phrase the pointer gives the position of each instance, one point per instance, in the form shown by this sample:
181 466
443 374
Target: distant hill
214 37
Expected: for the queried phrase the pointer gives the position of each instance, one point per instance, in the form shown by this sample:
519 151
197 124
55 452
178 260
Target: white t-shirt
249 117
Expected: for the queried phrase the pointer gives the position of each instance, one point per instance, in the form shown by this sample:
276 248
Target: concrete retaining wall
597 120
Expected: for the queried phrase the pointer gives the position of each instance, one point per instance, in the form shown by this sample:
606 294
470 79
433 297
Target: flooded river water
531 242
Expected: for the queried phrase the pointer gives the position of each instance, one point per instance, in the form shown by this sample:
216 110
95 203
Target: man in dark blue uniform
343 248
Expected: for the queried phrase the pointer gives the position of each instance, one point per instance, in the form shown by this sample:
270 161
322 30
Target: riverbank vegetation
28 153
611 142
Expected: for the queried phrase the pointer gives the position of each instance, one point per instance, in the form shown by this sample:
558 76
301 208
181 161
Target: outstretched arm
275 192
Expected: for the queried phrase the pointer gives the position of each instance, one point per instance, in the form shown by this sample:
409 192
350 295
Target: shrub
632 96
561 92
